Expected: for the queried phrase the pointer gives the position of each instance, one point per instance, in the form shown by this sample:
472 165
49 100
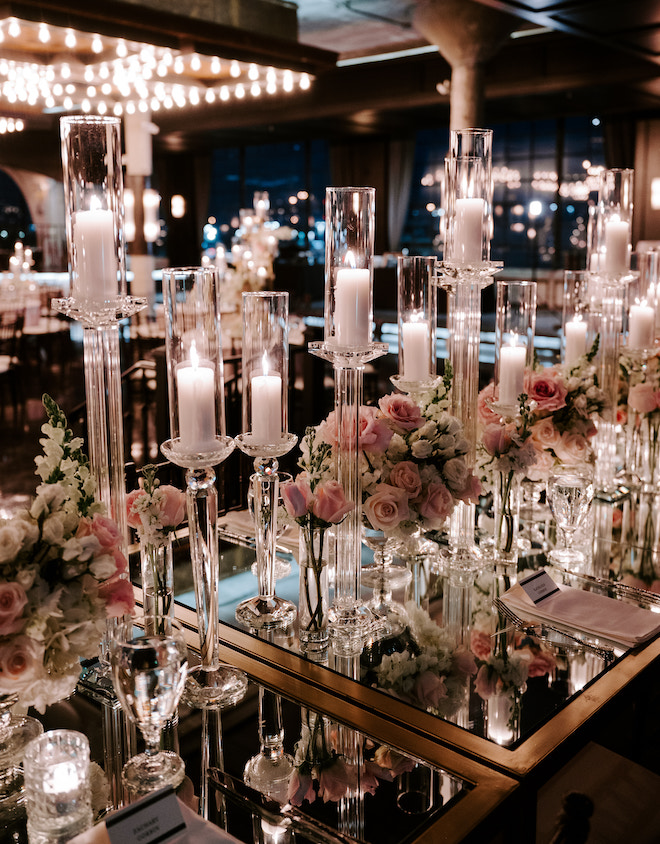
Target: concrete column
467 34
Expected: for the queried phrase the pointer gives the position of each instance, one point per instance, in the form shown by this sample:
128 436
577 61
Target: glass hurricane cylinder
198 443
265 438
468 197
349 243
417 317
614 229
515 324
576 328
157 570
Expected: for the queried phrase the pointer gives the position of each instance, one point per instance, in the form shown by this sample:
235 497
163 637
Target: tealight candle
416 342
352 323
195 381
511 372
575 334
468 230
617 237
641 326
266 405
96 253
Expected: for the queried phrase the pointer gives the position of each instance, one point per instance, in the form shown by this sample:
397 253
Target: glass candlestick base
264 611
187 458
414 388
212 688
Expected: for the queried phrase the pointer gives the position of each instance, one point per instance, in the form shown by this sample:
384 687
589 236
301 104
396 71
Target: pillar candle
196 402
641 326
617 238
416 342
352 321
575 334
511 373
96 255
266 407
468 230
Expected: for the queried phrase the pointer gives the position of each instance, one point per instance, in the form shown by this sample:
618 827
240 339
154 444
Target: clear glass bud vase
506 507
313 592
156 563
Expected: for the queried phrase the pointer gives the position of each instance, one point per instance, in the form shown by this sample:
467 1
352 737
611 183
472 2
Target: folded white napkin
241 523
587 612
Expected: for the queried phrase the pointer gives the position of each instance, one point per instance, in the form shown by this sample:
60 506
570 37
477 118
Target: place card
154 819
539 586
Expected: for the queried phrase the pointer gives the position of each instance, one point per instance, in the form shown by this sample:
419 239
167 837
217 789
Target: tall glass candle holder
417 317
198 443
94 199
642 304
576 328
466 269
349 346
515 325
265 438
615 208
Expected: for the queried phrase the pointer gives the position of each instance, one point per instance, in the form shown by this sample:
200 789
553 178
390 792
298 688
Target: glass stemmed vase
570 490
149 660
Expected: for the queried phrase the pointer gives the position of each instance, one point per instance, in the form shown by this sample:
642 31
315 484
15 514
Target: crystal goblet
149 660
570 490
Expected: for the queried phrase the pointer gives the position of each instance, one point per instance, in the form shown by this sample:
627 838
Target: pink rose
464 661
541 663
405 475
375 436
544 434
334 780
402 411
117 593
481 644
104 529
539 471
330 503
429 689
297 496
485 414
12 601
301 788
391 762
132 515
486 683
496 439
573 448
547 389
435 505
369 778
643 398
387 507
172 505
621 415
471 492
21 661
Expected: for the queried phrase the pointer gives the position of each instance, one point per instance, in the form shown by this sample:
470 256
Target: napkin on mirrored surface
241 523
588 612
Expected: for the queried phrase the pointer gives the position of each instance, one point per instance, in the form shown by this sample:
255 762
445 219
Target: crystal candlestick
265 438
348 345
198 443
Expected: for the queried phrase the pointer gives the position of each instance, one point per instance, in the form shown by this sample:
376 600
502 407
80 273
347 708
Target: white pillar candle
416 343
468 230
266 407
196 402
96 253
641 326
575 334
617 238
352 323
511 373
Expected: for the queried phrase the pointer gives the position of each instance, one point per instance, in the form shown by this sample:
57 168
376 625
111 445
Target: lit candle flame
264 364
194 357
349 260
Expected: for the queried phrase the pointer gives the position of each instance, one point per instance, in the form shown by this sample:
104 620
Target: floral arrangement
412 460
430 671
561 401
61 574
320 772
154 510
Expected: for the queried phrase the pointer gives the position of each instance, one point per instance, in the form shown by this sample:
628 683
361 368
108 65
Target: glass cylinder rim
50 736
352 188
188 270
618 170
471 130
265 294
75 119
521 283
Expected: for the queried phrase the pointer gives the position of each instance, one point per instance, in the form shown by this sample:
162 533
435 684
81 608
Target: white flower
422 449
12 537
52 530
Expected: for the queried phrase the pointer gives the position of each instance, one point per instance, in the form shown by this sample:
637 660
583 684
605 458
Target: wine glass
570 490
149 660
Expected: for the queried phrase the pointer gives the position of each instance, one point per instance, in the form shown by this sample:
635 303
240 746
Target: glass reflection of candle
266 405
498 728
196 403
511 371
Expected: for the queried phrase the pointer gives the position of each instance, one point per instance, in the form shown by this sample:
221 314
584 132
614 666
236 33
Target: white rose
422 449
11 541
53 530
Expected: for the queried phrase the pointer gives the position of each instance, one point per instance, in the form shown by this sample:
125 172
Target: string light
140 76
